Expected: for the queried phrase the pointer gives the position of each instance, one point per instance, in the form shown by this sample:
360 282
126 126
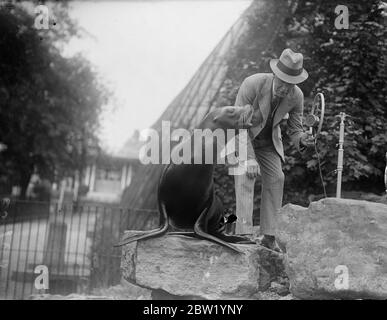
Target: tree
49 104
349 67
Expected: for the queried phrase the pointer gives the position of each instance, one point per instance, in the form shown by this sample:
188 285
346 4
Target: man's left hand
307 140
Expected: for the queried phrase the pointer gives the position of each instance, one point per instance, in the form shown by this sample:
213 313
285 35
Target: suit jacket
256 90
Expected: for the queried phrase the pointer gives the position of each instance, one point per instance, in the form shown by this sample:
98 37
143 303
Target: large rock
187 267
73 296
125 291
336 235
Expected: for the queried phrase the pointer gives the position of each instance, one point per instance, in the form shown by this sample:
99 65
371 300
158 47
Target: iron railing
74 242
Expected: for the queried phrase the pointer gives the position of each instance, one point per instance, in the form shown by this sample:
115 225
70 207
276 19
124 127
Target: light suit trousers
271 194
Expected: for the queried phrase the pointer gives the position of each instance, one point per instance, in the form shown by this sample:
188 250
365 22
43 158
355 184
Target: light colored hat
289 67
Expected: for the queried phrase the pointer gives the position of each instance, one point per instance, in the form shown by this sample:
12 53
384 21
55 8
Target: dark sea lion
186 197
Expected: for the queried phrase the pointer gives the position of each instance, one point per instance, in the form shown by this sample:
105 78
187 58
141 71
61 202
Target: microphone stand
340 155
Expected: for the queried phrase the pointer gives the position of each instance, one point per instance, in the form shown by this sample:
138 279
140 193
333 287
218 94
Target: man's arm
246 95
295 128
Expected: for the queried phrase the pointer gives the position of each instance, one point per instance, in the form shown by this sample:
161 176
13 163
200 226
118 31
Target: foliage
49 104
42 190
349 67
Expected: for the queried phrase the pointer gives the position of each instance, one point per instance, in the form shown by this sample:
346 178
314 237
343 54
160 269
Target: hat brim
285 77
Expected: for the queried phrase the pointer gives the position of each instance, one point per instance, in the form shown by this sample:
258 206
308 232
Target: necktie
274 104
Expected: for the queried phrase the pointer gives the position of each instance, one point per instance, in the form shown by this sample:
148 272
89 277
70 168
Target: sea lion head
231 117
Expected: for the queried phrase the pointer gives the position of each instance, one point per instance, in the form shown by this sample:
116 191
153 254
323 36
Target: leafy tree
348 66
49 104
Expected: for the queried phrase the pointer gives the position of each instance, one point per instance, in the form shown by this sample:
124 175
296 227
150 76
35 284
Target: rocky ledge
336 249
175 266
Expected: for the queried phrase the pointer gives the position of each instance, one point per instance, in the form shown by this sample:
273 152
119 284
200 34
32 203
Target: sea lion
186 197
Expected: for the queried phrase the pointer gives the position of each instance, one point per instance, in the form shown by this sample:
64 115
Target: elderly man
274 96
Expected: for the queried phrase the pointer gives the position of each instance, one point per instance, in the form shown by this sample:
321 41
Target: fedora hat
289 67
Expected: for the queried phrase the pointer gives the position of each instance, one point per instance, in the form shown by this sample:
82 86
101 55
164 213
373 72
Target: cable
319 166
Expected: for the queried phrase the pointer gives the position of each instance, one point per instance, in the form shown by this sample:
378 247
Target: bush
348 66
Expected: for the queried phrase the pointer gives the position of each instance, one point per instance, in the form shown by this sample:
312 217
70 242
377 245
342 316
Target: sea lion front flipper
202 234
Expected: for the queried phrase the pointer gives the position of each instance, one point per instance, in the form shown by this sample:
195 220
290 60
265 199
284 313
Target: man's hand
306 140
253 169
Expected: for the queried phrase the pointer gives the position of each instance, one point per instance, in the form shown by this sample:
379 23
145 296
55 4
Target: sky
146 52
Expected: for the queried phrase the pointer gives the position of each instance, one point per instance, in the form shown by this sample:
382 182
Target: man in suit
274 97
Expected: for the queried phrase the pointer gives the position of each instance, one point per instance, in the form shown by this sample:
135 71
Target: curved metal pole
313 121
322 112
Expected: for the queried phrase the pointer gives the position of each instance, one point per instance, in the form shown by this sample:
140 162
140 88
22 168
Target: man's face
281 88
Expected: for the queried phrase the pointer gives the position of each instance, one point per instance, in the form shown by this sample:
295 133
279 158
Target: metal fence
73 242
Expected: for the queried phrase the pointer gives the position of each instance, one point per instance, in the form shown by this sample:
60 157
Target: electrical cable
319 166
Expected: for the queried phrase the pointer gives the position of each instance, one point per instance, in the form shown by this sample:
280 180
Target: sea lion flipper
148 234
210 237
234 239
182 233
202 234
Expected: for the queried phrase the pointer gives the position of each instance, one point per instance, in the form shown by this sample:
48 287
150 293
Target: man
274 96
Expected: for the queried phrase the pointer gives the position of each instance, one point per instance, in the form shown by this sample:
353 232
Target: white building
105 177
